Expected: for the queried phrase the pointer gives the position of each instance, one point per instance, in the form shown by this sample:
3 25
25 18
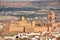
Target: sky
28 0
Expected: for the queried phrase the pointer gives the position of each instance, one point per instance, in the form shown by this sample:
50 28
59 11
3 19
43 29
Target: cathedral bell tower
51 19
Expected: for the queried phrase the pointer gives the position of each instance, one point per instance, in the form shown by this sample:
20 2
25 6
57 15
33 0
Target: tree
38 24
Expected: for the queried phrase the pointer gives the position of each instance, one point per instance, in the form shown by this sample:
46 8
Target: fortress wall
35 29
5 29
19 29
29 29
40 29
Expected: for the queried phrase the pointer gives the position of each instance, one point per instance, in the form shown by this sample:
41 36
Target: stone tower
51 20
51 16
22 18
33 23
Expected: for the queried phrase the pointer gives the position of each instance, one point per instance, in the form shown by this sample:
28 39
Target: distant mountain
52 4
14 4
7 7
46 3
19 9
29 0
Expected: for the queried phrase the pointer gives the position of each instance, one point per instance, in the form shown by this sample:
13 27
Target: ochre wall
35 29
40 29
28 29
20 29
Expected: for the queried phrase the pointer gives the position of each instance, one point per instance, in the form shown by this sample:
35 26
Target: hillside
30 4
